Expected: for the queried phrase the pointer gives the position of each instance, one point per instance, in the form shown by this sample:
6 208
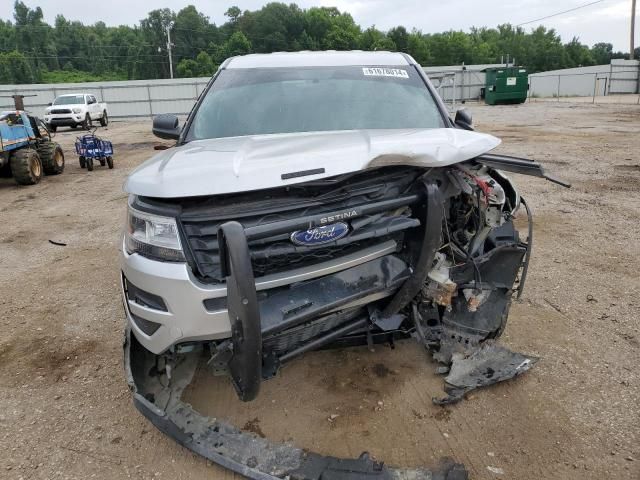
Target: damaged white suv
316 199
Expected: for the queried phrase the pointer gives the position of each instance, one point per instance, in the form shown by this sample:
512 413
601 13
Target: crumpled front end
367 257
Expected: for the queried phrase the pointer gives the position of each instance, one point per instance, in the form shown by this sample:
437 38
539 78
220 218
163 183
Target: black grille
60 110
382 200
291 338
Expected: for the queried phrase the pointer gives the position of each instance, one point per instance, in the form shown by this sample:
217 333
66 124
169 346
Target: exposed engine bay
445 263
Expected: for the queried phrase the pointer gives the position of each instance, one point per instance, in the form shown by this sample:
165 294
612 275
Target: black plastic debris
485 365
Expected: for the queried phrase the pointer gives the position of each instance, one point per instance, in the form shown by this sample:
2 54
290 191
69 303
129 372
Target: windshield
285 100
69 100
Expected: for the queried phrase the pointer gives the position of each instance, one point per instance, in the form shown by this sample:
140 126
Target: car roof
72 94
328 58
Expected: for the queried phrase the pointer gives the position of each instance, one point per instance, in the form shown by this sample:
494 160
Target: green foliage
14 68
202 66
75 76
32 51
237 44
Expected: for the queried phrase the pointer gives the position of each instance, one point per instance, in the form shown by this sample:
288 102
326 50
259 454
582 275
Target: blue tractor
26 148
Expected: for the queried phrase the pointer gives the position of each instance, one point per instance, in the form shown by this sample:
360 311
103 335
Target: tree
370 37
417 48
202 66
191 33
602 53
400 37
237 44
206 66
15 68
579 55
187 68
233 13
384 44
154 35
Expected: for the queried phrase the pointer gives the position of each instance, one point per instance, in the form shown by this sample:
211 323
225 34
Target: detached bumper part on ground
245 453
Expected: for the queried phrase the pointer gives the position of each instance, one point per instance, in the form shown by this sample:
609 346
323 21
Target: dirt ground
65 410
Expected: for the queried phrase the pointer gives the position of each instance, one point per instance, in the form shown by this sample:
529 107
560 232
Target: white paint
239 164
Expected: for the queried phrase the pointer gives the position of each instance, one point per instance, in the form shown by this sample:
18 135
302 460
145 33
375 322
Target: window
69 100
285 100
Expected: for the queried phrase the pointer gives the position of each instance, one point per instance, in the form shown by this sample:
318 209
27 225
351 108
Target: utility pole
169 45
633 24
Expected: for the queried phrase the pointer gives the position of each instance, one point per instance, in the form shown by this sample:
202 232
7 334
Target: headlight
153 236
77 110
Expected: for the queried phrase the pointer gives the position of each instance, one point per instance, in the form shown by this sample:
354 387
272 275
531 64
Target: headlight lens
153 236
77 110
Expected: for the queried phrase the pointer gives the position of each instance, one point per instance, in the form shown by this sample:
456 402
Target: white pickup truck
75 109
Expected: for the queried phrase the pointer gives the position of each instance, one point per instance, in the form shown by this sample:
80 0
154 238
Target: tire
52 157
52 128
110 162
26 166
83 162
74 126
89 164
87 124
104 120
103 162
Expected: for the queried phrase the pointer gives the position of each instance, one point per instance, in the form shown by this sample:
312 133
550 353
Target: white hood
238 164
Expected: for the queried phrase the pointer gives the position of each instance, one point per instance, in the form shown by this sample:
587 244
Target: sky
607 21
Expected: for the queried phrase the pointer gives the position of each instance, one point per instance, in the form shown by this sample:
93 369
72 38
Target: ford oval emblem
320 235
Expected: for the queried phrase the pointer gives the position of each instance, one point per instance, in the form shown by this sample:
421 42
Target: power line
560 13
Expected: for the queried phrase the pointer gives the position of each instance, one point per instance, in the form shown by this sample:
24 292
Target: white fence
135 98
621 76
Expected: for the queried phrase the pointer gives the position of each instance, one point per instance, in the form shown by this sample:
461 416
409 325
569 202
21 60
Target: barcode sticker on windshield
385 72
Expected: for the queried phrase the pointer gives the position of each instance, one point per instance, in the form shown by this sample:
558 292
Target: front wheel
87 124
104 120
51 157
26 166
89 164
83 162
52 128
110 162
103 162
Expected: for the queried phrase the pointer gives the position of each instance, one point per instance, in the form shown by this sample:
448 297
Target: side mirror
166 126
463 119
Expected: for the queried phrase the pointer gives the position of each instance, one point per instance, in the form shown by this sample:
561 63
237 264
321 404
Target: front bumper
244 453
187 318
64 119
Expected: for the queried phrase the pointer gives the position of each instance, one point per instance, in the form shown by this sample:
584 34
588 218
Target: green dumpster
506 85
